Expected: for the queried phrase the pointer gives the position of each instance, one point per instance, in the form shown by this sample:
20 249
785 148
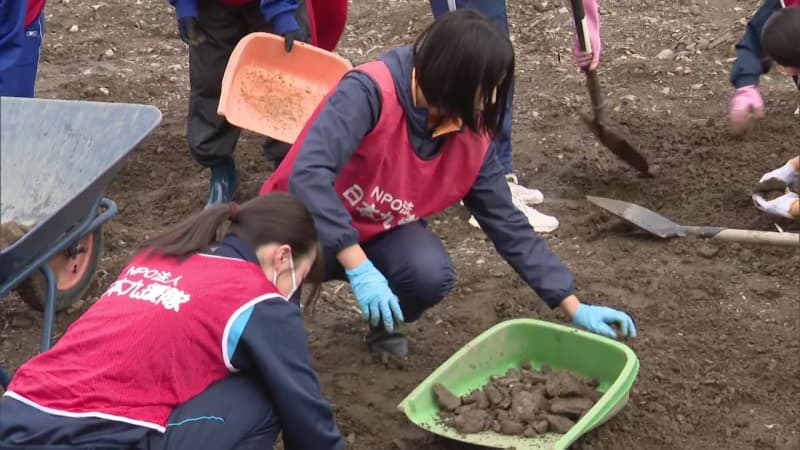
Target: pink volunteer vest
790 3
156 338
385 184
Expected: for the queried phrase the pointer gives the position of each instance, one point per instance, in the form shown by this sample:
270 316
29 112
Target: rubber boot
224 181
380 340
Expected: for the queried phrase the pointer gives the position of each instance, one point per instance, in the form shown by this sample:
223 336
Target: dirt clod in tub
522 402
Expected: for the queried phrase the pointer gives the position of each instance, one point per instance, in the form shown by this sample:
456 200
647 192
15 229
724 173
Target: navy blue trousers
20 57
495 10
232 414
413 260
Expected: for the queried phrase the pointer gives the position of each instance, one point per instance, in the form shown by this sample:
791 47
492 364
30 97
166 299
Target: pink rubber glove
591 59
746 103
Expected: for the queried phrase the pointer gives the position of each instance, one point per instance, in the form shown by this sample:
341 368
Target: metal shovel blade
618 146
639 216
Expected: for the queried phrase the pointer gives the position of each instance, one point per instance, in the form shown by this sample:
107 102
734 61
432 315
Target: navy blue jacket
751 61
280 13
350 113
273 346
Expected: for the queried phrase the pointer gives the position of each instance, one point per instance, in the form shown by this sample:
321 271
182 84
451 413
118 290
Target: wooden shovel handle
749 236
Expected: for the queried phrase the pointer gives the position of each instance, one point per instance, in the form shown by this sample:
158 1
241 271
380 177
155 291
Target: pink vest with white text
156 338
790 3
385 184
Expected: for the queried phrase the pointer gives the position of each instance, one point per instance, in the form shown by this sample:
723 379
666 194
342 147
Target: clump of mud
11 232
523 402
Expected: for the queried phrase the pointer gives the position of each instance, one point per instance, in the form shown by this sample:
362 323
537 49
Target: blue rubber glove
374 295
597 319
281 14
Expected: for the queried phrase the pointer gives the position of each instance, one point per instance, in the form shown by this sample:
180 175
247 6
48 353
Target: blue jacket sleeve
185 8
513 237
280 13
269 340
751 61
12 22
350 113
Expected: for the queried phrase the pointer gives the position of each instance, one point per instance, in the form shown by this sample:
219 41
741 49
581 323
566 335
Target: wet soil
524 401
719 324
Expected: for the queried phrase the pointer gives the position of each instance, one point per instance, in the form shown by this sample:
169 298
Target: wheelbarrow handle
747 236
585 44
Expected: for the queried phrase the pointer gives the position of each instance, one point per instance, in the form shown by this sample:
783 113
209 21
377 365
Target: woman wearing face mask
192 347
405 137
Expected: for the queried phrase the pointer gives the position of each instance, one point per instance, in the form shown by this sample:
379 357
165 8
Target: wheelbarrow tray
58 157
504 346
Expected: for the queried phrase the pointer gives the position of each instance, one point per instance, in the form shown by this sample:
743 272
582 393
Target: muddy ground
719 324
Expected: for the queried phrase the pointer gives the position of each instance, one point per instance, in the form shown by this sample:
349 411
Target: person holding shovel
212 28
752 62
194 346
496 11
404 137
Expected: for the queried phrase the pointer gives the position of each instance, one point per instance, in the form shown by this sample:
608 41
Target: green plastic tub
504 346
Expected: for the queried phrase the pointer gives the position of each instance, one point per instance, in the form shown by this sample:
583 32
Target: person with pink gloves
496 10
752 62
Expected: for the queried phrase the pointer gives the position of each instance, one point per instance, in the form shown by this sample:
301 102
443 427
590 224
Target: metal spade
609 138
662 227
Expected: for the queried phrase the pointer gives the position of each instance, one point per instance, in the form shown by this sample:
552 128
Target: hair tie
234 213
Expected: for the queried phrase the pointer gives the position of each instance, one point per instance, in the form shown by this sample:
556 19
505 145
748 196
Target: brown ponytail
276 217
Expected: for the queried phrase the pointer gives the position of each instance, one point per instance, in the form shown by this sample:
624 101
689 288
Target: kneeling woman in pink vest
191 347
405 137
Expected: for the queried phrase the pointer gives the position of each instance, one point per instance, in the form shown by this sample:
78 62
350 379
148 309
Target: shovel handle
582 29
747 236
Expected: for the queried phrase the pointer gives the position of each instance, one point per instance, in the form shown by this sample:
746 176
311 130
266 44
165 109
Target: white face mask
294 282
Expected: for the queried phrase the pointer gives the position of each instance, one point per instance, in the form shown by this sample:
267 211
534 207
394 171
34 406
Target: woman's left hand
597 319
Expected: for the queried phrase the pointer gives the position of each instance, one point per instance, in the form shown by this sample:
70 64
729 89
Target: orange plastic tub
272 92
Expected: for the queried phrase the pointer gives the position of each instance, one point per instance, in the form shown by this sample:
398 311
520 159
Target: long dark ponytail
276 217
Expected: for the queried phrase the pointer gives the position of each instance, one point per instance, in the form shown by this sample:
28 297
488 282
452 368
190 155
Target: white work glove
786 173
781 206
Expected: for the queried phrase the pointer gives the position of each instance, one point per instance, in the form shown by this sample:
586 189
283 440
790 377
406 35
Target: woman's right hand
746 105
374 295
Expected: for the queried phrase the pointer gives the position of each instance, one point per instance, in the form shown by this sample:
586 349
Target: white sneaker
541 223
525 195
522 197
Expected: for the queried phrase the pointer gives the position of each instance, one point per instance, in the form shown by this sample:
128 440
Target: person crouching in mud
781 41
753 60
193 347
404 137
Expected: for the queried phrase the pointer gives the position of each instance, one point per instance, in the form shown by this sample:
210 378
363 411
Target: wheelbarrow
57 159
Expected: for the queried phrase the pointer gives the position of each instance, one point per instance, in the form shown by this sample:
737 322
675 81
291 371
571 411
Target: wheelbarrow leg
49 307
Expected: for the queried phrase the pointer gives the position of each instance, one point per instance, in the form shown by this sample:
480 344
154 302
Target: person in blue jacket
212 28
400 139
194 346
752 62
21 33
